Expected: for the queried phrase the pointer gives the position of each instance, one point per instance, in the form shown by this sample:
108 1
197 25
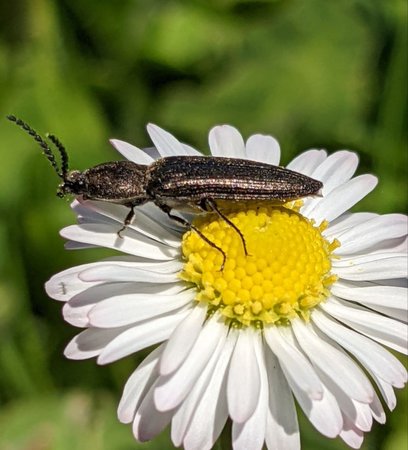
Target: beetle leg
209 205
128 220
187 224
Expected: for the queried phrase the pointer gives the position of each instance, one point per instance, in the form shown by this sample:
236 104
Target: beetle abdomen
196 177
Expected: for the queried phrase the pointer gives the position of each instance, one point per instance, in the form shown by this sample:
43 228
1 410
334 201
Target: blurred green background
313 73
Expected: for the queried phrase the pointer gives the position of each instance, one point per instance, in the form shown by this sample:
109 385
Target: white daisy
304 316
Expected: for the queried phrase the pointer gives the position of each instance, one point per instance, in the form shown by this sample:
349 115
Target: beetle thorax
122 182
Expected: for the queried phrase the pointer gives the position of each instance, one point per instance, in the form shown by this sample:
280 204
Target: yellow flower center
285 274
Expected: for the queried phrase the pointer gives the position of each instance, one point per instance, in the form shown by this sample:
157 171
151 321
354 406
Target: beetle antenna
63 153
45 147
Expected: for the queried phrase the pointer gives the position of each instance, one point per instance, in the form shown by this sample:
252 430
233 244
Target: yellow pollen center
285 274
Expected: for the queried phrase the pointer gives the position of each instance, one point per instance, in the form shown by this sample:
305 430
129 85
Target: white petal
251 433
71 245
343 198
110 213
377 410
91 342
397 282
114 272
382 329
104 235
337 169
172 389
184 414
181 341
346 221
212 408
351 435
307 161
76 315
396 245
71 282
371 233
279 439
243 377
376 266
66 284
387 392
332 361
104 291
371 355
389 300
82 210
264 149
87 211
149 422
357 412
157 215
282 344
225 140
152 152
141 336
127 309
131 152
149 219
76 310
137 386
363 418
135 263
166 143
191 150
324 414
282 429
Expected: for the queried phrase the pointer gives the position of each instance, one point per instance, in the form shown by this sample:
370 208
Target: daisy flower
304 317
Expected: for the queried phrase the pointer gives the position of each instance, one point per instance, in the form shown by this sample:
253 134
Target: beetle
183 183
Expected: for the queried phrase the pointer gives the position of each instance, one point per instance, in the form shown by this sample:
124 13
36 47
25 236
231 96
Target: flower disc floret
285 274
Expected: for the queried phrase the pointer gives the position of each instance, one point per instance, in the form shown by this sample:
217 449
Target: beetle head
122 182
74 182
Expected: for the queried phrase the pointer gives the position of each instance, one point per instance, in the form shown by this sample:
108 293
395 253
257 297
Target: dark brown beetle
184 183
